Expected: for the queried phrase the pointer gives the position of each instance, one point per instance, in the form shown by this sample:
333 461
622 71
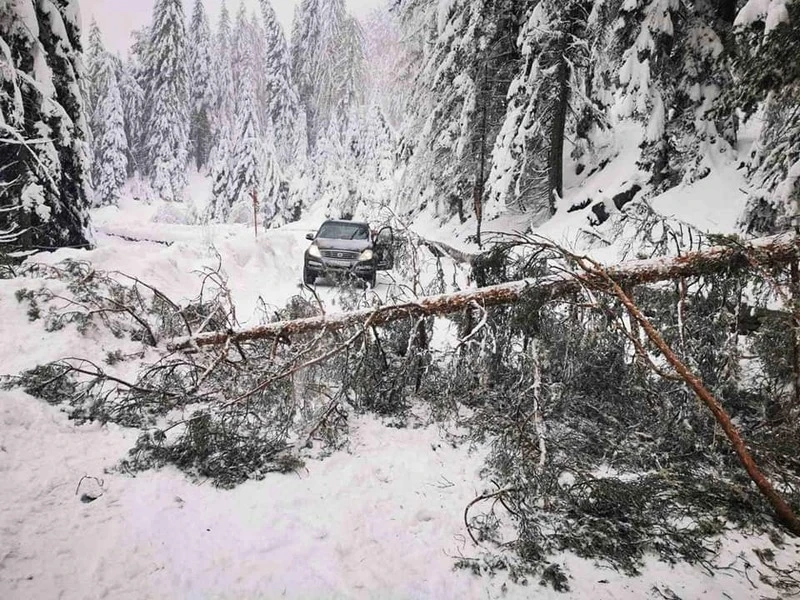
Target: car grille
340 254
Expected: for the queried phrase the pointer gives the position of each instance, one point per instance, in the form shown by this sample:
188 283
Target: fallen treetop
770 251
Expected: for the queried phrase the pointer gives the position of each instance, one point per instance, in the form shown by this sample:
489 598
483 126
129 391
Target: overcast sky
118 18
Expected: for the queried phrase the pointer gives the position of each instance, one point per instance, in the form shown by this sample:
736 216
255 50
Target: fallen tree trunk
770 251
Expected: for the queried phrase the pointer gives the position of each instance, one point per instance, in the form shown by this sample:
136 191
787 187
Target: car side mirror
310 236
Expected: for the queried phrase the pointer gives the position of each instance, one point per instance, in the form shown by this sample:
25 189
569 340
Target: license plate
332 262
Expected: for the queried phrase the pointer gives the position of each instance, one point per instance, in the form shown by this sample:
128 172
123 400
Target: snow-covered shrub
173 213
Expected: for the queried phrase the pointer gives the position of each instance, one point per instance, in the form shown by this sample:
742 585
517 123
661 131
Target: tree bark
726 10
555 163
795 308
775 251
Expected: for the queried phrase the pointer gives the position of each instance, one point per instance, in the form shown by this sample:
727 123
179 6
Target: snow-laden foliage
282 103
672 72
110 143
201 85
248 185
242 56
327 65
95 63
225 95
768 89
550 85
166 80
458 101
43 131
132 94
387 63
565 75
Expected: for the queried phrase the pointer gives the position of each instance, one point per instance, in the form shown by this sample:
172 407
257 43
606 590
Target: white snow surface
772 12
381 519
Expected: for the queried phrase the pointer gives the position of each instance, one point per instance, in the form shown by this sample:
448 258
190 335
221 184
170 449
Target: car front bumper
329 266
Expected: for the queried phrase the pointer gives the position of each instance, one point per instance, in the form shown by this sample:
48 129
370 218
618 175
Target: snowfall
382 518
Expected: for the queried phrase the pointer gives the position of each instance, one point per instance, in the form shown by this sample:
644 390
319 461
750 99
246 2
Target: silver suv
348 248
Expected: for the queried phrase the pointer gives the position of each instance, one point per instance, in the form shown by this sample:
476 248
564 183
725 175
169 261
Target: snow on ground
382 519
712 204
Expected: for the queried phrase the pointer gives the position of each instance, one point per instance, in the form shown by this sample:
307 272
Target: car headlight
313 250
366 255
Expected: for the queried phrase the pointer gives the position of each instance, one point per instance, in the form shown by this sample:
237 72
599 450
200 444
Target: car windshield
343 231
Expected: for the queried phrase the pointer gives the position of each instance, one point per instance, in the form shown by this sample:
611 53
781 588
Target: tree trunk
775 251
795 277
555 163
726 10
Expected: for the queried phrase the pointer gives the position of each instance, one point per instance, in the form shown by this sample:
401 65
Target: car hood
334 244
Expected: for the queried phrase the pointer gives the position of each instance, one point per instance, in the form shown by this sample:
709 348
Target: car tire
309 277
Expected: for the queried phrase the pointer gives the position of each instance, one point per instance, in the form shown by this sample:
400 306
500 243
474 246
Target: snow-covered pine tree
94 68
458 101
111 145
334 181
388 63
768 84
671 71
201 85
132 97
283 104
43 155
327 64
349 94
224 95
361 166
220 175
167 106
242 56
372 147
549 86
250 168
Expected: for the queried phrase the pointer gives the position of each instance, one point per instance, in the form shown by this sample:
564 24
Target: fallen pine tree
243 410
763 252
759 254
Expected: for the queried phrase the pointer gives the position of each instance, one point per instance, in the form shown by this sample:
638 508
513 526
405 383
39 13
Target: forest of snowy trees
512 93
463 107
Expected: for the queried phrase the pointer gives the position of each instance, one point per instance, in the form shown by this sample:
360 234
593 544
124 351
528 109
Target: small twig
481 498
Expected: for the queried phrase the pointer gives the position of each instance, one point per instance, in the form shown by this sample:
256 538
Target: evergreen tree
250 169
768 85
458 102
95 68
388 61
283 105
43 153
670 75
528 158
201 85
242 57
327 64
224 97
132 96
111 145
219 205
167 107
